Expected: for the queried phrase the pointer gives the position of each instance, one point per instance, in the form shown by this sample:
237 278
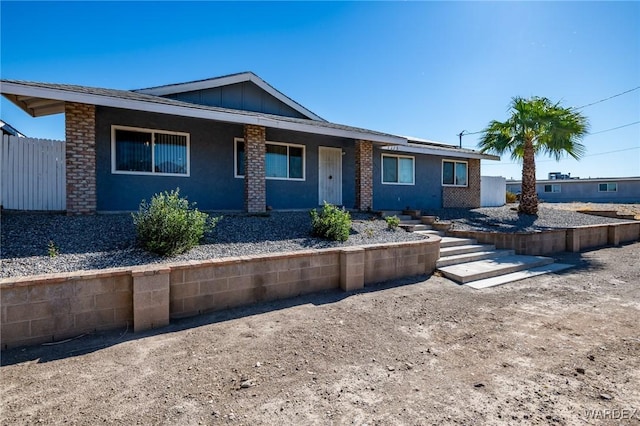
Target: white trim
115 127
413 174
553 187
453 185
226 81
608 183
194 111
304 160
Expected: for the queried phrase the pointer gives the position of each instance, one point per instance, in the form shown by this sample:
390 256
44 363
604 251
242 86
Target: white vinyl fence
32 174
493 191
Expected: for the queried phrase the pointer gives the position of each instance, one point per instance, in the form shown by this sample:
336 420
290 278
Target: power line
614 128
580 107
589 134
548 161
610 97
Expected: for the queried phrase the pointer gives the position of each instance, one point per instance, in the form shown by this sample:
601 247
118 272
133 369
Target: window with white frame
608 187
454 173
398 169
146 151
282 160
552 188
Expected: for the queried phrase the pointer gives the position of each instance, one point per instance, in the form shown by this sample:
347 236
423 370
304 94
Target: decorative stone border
53 307
543 243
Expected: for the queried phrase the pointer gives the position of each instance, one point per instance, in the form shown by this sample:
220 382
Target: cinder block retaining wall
548 242
53 307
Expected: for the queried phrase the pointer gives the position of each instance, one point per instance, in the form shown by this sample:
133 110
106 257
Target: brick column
464 197
80 133
255 191
364 175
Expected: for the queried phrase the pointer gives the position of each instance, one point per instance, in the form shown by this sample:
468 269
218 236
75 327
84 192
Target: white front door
330 175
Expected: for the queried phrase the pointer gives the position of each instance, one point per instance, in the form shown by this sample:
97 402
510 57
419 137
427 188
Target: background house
236 143
563 188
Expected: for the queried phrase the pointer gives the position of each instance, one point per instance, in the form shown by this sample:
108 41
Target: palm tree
536 126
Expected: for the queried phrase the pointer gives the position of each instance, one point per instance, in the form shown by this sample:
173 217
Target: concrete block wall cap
354 249
59 277
385 246
150 270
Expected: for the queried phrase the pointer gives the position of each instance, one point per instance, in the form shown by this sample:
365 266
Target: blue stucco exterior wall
283 194
425 193
242 96
211 183
585 190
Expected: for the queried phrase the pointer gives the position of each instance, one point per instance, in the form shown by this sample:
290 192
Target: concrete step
467 248
413 227
409 221
385 213
471 257
430 232
454 241
406 218
481 269
516 276
412 212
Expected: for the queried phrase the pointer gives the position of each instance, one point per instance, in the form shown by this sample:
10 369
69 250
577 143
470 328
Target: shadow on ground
95 341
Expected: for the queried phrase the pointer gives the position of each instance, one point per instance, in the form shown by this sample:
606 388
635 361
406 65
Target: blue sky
425 69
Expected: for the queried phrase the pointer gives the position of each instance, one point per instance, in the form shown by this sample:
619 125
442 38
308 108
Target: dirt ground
623 209
558 349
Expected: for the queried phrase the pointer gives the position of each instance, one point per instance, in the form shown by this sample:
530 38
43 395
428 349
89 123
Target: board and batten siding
32 174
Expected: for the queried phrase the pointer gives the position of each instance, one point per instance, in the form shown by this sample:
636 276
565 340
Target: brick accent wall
255 190
364 175
80 133
466 197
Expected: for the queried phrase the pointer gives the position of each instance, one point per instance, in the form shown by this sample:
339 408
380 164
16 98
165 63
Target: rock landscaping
35 244
38 243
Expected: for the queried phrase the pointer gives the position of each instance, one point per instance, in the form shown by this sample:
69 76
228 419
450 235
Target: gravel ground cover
107 241
507 219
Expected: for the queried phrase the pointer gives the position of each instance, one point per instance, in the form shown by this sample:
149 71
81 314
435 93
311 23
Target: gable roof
39 99
8 129
211 83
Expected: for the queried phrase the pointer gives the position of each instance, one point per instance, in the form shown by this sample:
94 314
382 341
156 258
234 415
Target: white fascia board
170 89
194 112
226 81
442 152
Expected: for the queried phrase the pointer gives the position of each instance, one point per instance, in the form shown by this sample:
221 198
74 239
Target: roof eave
12 90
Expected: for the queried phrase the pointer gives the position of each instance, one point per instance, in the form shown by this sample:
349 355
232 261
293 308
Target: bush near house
511 197
392 222
331 223
169 225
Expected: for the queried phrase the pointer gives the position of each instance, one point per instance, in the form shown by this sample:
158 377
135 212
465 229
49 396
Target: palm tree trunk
528 196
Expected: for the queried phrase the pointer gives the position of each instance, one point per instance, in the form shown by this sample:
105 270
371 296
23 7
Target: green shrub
169 225
392 222
332 223
511 197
